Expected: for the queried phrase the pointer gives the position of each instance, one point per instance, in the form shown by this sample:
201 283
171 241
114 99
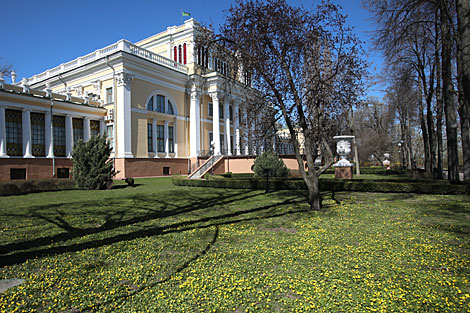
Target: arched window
184 53
162 102
179 54
150 104
170 108
175 54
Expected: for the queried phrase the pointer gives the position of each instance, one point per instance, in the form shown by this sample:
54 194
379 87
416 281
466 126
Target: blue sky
38 35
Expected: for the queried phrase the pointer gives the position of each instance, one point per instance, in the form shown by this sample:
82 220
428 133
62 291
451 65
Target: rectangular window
77 126
211 138
160 138
63 172
109 95
171 142
222 142
160 103
17 173
14 129
211 109
231 144
110 135
221 111
94 128
166 170
38 135
58 123
149 137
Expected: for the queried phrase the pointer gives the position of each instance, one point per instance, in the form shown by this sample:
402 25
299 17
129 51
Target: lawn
163 248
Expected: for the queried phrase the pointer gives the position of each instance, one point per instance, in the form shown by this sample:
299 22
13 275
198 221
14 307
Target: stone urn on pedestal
343 168
386 162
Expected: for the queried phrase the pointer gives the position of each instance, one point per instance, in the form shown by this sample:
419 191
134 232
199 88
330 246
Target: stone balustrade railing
122 45
47 94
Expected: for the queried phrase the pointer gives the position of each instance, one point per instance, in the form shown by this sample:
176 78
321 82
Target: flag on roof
186 13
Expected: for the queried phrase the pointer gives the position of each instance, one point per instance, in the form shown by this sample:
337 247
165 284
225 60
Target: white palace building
159 110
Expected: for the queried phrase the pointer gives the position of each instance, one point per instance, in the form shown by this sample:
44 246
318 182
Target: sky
39 35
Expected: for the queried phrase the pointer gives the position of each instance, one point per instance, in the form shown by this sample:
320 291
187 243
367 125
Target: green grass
163 248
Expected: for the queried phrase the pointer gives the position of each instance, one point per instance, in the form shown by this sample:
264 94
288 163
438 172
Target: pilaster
123 115
167 141
86 129
48 133
215 121
68 136
194 122
27 144
3 134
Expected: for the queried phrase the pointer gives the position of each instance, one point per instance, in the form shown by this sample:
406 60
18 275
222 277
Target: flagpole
181 16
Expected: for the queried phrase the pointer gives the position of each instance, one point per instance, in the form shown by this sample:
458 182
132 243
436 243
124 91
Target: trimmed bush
269 161
327 184
21 187
92 168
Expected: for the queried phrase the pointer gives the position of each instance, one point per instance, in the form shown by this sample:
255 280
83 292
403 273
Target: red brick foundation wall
143 167
40 168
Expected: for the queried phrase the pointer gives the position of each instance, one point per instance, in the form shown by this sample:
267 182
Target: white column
215 122
246 133
154 137
3 134
167 141
102 127
227 126
86 129
123 116
48 133
194 123
27 144
236 127
68 136
175 142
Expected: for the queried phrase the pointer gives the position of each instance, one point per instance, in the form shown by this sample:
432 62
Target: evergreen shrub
269 160
92 168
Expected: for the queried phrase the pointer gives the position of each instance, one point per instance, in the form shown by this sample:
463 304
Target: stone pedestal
344 172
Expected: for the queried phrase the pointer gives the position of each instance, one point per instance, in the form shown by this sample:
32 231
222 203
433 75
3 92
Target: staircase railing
204 168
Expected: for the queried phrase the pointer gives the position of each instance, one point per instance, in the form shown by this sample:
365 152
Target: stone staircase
204 168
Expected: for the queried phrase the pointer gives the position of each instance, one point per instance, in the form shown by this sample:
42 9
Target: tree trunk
314 196
424 130
448 90
431 134
439 108
463 65
408 145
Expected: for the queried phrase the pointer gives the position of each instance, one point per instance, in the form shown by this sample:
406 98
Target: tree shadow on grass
115 219
453 217
191 226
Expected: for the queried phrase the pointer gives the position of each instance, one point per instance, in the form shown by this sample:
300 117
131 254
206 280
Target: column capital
124 79
195 94
216 95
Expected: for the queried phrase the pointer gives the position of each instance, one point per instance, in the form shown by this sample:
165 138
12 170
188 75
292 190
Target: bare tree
5 69
463 68
305 64
374 127
402 22
402 97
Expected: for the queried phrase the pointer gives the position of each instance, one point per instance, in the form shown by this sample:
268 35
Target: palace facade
159 110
